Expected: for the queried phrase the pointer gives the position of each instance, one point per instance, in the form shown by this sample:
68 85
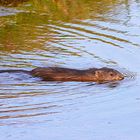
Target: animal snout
121 77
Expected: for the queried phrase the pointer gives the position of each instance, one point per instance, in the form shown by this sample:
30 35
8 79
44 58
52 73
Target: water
76 34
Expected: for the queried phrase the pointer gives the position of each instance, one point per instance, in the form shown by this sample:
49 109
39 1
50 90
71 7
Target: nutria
66 74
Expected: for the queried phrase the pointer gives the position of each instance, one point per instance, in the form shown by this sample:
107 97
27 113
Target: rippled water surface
75 34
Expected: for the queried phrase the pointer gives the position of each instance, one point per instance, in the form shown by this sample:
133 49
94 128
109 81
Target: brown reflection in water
29 30
27 111
12 3
67 9
27 115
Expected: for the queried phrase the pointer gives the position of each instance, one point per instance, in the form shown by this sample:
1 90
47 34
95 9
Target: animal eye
111 74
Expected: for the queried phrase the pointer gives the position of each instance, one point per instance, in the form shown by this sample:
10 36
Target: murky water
76 34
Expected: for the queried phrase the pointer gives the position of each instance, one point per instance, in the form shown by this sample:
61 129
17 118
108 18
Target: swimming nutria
66 74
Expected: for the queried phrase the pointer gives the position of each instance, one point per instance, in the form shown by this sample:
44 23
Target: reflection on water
76 34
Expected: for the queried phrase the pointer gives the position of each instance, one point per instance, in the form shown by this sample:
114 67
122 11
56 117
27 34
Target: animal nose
121 77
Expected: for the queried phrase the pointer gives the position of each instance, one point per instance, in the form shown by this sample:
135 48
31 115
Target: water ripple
78 43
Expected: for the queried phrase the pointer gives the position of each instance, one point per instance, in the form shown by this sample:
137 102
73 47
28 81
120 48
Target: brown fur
67 74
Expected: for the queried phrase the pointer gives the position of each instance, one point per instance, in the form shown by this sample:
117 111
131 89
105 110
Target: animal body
66 74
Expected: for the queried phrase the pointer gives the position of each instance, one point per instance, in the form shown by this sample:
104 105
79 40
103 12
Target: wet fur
67 74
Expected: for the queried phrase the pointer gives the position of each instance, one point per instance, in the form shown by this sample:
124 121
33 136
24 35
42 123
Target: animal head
108 74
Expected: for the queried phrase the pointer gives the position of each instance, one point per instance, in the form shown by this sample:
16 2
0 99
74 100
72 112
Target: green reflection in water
28 29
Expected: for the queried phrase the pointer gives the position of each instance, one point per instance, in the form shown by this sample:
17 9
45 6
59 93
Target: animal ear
97 73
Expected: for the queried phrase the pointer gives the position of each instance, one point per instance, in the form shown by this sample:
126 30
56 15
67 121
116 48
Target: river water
75 34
